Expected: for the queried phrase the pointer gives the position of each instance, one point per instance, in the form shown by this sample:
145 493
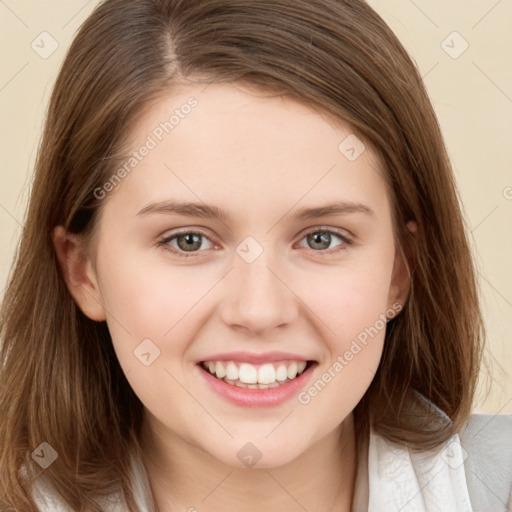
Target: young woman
244 280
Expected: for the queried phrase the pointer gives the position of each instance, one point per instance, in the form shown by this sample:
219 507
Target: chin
256 454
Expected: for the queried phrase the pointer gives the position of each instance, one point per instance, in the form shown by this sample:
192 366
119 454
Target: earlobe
78 273
401 278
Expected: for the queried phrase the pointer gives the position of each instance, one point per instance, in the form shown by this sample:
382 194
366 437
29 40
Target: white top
470 473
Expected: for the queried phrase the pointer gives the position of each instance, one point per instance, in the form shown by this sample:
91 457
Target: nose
257 298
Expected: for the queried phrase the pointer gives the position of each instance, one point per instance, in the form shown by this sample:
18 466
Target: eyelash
164 244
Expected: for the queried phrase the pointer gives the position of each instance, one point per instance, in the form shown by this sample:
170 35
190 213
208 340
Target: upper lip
252 358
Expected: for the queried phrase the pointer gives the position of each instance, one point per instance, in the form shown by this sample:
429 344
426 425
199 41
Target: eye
320 239
187 241
191 242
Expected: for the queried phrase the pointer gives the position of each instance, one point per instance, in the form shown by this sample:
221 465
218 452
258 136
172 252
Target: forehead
225 144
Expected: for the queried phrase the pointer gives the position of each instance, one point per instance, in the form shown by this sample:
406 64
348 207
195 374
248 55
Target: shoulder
486 440
471 471
489 430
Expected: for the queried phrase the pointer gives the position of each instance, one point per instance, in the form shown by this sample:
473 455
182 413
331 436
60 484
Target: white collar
405 481
392 478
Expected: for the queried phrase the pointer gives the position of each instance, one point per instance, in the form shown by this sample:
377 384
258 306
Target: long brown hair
60 380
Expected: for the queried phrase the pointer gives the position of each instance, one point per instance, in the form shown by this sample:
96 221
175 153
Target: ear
401 277
78 273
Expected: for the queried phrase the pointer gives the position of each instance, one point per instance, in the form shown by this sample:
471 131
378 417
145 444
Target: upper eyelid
175 234
336 231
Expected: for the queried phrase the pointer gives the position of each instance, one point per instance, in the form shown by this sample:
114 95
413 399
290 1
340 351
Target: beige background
471 92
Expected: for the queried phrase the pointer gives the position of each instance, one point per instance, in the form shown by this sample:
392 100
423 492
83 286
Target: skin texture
260 158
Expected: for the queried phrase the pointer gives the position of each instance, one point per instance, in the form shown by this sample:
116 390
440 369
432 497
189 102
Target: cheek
350 300
353 334
147 302
352 307
152 318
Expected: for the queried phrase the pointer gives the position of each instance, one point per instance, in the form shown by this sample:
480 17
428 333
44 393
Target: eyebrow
207 211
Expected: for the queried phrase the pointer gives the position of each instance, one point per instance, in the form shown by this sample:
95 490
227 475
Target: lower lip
247 397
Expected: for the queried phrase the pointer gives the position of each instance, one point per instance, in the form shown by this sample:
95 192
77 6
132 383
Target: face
259 279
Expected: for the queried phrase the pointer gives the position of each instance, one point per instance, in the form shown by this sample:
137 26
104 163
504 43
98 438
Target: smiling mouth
262 376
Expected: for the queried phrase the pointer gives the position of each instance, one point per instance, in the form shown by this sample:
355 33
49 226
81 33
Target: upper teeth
254 374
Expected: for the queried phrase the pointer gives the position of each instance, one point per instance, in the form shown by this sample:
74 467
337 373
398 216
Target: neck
183 477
